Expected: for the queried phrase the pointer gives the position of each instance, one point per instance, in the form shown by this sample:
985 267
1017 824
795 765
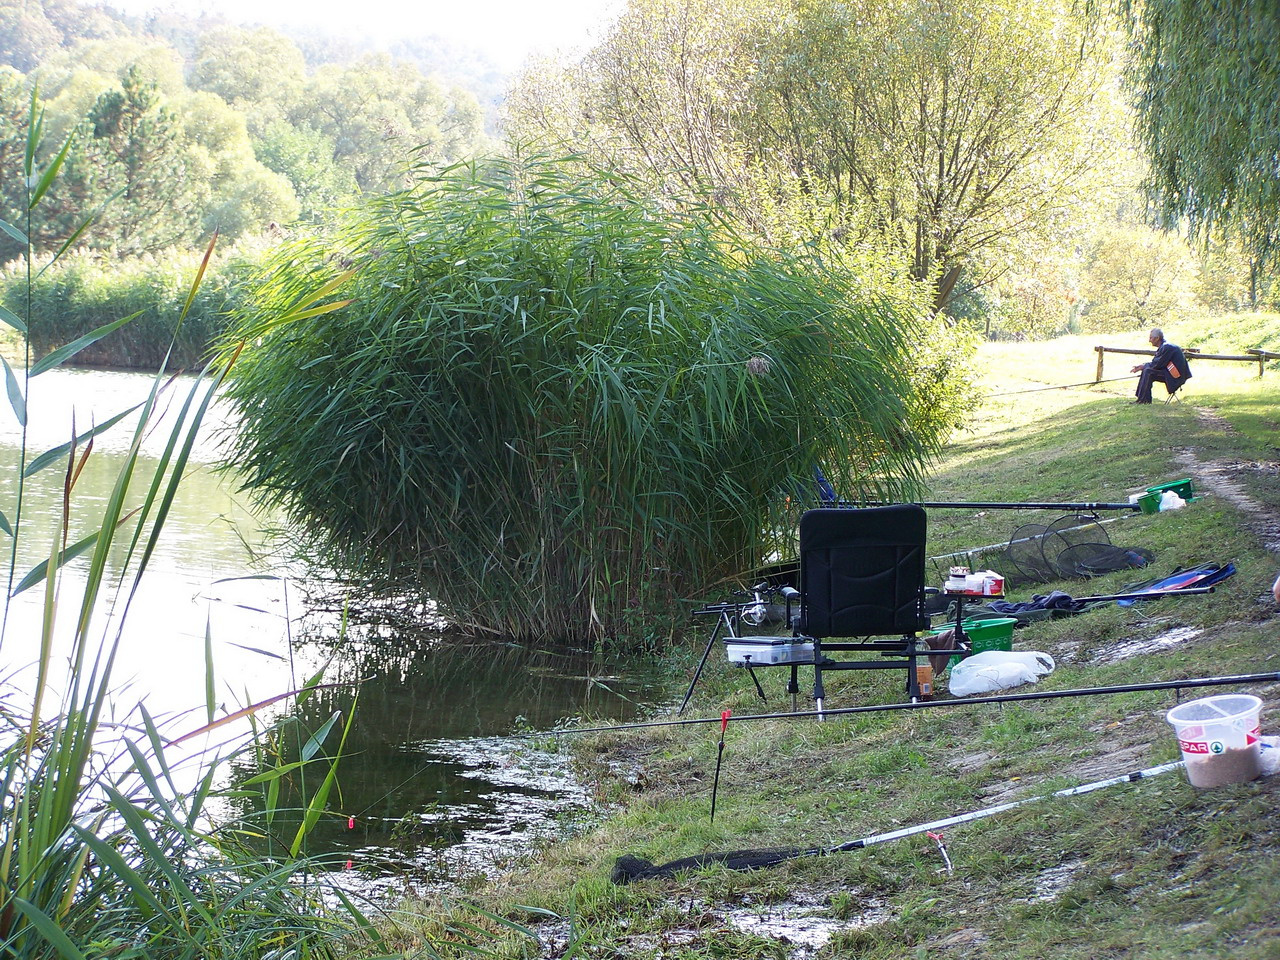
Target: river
436 782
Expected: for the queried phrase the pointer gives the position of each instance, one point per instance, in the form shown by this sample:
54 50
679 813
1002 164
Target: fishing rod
933 704
1061 386
969 817
975 505
628 868
996 505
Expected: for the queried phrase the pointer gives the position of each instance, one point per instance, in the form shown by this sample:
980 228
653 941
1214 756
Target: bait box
767 651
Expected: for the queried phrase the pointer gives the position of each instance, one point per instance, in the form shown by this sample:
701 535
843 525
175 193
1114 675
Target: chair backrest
862 571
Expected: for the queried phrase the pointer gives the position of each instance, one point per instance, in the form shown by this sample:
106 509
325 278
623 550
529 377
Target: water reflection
434 787
432 782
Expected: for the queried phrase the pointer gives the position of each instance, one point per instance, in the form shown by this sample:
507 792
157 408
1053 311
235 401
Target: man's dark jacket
1172 361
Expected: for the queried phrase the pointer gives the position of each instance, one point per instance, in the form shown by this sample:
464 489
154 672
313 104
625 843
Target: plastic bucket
994 633
1149 502
1219 738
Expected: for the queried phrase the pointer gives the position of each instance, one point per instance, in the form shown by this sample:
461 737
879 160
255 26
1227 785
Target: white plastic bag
994 670
1171 501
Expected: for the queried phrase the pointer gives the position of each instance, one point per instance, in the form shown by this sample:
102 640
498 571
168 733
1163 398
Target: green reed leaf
47 178
316 740
57 453
49 929
13 232
210 701
41 570
65 352
35 127
16 400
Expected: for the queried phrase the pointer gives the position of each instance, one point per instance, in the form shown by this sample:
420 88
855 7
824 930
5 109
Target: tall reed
556 403
105 848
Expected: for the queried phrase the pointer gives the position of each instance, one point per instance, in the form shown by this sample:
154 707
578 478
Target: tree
15 104
154 62
378 115
248 198
257 71
553 405
957 130
1206 78
673 79
30 30
25 33
1137 277
134 160
305 157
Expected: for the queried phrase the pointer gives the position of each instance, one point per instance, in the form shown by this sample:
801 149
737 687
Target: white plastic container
1219 738
767 651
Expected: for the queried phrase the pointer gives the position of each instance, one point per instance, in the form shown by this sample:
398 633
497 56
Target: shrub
81 293
553 404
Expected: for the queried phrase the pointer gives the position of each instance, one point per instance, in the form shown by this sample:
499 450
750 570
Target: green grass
1154 869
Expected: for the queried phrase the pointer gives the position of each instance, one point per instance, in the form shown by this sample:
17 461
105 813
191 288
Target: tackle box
767 651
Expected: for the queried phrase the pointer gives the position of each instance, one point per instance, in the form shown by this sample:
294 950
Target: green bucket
995 633
1181 487
1149 502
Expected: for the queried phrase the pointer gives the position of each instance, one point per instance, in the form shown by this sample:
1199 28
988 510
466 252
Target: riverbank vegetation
111 840
1153 869
564 406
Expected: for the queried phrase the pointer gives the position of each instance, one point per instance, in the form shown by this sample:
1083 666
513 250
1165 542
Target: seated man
1169 366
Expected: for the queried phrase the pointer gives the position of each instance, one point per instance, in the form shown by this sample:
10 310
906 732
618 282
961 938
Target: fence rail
1252 355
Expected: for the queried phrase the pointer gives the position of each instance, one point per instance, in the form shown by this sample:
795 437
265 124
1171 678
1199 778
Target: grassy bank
1152 869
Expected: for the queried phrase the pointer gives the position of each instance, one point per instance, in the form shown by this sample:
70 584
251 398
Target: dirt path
1218 477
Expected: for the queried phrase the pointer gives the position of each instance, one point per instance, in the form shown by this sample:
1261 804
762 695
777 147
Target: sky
507 31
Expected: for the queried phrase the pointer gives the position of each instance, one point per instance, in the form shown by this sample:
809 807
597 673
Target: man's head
1156 336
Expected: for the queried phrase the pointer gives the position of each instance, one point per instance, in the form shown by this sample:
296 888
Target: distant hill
32 29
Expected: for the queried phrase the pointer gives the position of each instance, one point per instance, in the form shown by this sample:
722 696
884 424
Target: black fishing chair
862 575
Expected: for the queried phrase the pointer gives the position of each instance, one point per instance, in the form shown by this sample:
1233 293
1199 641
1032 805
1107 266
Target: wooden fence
1253 355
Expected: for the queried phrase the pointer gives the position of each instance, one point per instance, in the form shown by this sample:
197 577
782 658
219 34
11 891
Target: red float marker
715 786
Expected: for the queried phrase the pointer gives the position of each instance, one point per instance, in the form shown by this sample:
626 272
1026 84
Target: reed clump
554 404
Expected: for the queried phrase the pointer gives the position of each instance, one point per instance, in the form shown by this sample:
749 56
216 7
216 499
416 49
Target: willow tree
553 406
960 131
1207 83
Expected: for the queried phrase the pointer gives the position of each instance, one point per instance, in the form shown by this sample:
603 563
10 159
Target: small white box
767 651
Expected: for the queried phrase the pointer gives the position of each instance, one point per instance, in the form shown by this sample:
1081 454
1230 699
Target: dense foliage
554 405
77 296
180 129
1207 80
962 132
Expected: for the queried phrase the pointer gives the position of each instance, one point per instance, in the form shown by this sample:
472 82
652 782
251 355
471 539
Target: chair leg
818 693
913 680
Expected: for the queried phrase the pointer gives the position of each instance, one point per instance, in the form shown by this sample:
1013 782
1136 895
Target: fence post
1098 377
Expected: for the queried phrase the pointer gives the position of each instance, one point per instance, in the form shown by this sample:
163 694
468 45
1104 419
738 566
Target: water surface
433 784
